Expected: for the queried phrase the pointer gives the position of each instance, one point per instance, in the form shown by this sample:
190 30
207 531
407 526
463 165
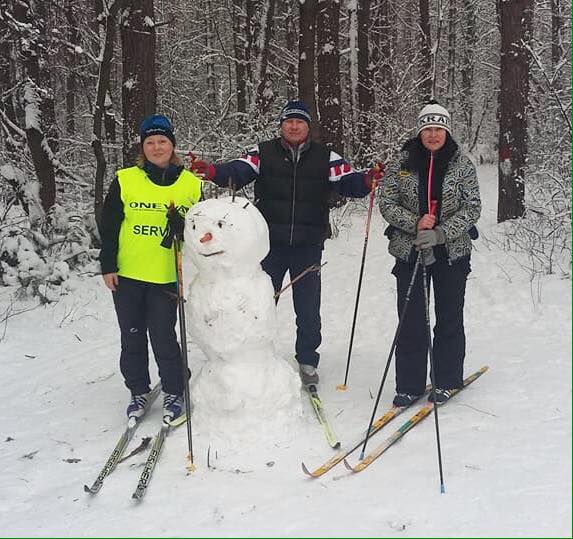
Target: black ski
121 445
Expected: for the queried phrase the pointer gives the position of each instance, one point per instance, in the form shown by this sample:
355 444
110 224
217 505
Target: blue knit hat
295 109
156 124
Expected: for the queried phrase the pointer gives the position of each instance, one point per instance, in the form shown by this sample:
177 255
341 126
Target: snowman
244 389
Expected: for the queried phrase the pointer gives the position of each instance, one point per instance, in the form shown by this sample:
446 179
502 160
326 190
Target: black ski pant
449 341
305 294
147 308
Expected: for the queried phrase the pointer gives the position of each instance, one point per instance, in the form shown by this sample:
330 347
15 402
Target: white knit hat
434 115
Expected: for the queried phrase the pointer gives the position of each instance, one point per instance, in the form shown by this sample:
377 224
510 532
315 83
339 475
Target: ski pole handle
433 207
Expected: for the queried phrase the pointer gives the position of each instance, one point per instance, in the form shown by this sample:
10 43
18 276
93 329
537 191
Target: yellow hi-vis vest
140 255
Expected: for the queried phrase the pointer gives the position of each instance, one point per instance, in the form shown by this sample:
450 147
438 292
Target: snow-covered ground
506 440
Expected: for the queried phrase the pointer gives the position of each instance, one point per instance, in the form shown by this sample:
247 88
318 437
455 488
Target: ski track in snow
506 440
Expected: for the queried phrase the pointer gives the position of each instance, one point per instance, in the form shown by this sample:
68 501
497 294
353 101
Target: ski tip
341 387
305 469
348 466
177 422
88 490
335 445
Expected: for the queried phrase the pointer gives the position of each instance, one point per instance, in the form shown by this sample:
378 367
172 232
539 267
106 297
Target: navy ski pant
305 294
147 308
449 340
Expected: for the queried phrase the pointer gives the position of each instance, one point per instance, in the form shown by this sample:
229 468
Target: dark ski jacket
294 187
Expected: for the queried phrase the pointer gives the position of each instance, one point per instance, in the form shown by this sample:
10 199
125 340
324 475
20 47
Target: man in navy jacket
295 178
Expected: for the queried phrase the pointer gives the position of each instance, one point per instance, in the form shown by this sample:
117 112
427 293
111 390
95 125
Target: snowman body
231 315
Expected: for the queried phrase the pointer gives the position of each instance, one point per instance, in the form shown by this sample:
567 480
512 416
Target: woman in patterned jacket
430 198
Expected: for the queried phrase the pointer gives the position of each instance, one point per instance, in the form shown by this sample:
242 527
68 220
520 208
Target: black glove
174 229
429 238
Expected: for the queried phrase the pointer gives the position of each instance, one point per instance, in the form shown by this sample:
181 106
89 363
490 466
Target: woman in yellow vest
140 272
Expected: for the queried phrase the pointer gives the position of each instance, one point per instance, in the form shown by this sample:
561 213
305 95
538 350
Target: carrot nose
206 237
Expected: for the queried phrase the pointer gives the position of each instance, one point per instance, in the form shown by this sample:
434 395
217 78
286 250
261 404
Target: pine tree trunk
328 60
556 32
139 92
515 20
383 56
306 45
107 19
37 99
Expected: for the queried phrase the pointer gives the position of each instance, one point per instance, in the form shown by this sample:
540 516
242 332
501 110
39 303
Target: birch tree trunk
425 51
467 64
210 62
239 47
291 39
365 86
452 16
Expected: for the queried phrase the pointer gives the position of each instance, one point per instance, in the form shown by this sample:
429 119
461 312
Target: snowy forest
78 77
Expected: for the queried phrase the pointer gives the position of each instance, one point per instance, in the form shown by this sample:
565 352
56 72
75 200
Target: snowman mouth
213 254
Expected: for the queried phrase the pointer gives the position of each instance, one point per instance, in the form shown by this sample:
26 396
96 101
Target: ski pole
392 348
342 387
313 267
432 207
183 337
432 371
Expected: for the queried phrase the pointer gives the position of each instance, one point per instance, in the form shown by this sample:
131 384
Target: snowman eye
194 226
220 224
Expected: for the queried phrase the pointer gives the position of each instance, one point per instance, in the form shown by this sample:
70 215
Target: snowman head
226 233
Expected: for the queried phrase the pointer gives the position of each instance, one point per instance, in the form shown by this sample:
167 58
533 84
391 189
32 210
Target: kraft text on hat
434 115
